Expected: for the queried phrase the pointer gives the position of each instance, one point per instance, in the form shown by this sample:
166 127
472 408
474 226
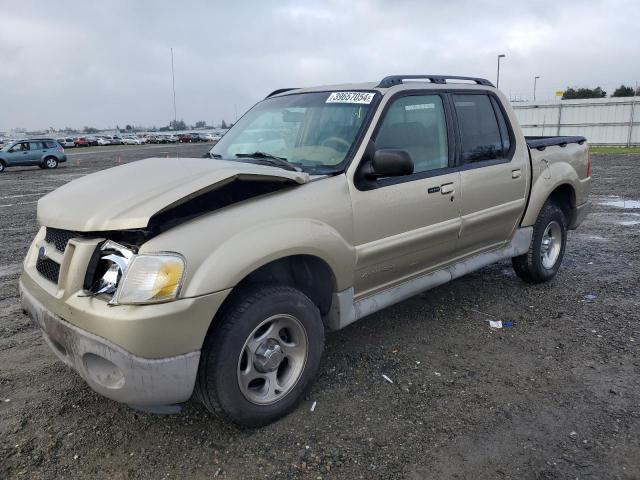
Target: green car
43 152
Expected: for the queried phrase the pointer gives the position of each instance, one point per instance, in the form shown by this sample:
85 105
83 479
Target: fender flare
545 184
225 266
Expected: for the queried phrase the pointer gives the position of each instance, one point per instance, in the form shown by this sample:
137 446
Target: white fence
603 121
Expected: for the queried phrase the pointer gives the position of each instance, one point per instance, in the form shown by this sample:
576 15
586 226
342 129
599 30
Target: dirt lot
555 396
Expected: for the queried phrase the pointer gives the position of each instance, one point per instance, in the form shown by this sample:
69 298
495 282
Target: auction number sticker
351 97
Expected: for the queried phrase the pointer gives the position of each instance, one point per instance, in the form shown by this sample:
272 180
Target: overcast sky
80 63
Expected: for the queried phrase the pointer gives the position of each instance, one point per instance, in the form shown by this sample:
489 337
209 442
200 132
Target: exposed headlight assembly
112 263
137 278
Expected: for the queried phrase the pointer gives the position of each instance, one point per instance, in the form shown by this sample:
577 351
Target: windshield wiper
269 159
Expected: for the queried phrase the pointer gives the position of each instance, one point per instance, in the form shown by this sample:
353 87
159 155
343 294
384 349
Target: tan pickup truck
220 275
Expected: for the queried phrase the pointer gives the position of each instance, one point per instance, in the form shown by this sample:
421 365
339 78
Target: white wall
603 121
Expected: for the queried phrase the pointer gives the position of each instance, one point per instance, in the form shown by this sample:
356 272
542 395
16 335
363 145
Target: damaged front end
149 202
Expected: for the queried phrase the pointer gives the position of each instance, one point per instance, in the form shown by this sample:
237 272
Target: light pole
535 82
173 86
502 55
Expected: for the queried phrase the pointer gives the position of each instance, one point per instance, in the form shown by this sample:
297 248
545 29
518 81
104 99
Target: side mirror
391 162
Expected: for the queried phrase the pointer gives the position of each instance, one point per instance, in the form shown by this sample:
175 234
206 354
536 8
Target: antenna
173 84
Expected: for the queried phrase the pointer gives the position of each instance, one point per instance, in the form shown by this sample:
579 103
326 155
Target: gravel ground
555 396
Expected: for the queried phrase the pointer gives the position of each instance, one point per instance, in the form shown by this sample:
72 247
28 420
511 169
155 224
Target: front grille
48 269
59 238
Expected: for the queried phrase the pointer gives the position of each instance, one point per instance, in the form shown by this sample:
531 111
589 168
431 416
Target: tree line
577 93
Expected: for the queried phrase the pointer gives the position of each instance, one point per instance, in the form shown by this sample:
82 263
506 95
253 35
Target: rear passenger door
492 175
36 151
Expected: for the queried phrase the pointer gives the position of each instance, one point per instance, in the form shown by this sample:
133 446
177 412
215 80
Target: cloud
83 63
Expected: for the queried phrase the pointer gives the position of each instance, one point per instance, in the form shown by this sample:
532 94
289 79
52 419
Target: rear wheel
262 355
50 162
543 260
2 166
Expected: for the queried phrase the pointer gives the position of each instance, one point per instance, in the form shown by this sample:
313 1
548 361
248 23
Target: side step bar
344 310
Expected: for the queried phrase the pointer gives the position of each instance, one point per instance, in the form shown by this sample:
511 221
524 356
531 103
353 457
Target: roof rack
280 90
392 80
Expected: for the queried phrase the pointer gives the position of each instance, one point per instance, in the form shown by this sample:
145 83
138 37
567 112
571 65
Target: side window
504 131
417 124
35 146
479 131
50 144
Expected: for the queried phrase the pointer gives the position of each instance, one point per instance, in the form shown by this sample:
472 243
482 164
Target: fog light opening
102 371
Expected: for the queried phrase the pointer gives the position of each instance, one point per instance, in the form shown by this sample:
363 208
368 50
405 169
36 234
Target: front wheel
2 166
50 162
543 260
262 355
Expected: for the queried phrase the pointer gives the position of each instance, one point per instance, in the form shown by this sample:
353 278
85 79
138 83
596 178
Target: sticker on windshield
351 97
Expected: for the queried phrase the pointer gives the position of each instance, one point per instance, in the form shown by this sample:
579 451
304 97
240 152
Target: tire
542 262
2 166
50 163
280 321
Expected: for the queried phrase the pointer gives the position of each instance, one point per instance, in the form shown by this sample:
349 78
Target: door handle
516 173
446 189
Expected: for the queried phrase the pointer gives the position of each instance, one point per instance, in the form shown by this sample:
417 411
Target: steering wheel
338 140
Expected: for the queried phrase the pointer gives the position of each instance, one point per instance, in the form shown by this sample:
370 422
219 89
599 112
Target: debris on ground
387 378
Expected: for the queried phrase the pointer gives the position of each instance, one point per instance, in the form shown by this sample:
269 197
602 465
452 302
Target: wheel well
564 197
309 274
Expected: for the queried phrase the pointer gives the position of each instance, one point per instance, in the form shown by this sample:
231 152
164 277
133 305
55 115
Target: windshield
312 131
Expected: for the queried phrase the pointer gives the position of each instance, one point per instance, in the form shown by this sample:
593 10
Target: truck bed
543 142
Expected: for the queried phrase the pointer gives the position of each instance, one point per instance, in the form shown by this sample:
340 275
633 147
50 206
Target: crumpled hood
127 196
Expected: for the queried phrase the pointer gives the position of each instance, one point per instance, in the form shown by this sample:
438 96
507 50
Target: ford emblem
42 253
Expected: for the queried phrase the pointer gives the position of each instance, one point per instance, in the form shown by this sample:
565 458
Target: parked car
198 138
66 142
184 138
92 141
131 141
43 152
102 141
218 276
81 142
172 138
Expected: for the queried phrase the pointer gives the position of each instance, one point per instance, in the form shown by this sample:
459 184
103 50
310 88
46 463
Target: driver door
19 154
407 226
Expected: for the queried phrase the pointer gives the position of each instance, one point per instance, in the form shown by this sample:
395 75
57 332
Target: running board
344 310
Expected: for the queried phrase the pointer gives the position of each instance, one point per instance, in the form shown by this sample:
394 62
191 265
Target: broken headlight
137 278
112 263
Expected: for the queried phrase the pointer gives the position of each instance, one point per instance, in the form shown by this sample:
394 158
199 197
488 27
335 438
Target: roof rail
392 80
280 90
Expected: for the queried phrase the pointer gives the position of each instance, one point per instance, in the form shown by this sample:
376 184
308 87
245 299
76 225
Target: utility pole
502 55
173 84
535 81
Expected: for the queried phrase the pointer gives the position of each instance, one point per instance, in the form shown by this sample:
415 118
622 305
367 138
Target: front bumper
110 370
